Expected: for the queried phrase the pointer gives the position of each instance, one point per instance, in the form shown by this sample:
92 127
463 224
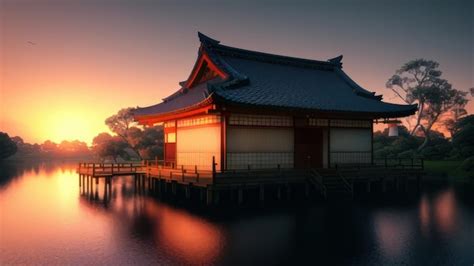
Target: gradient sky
66 65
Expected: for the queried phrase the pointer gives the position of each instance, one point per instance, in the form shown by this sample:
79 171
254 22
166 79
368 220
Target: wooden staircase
331 183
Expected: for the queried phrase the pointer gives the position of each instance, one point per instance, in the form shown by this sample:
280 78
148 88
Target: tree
7 146
463 137
419 81
104 145
123 124
150 142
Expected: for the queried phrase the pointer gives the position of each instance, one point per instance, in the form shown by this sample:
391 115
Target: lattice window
259 160
260 120
341 158
202 120
318 122
169 124
351 123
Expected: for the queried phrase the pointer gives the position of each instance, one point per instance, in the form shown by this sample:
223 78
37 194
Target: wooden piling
240 196
187 191
209 194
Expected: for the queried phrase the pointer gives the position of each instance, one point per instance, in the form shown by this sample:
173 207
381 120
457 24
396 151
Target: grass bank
449 169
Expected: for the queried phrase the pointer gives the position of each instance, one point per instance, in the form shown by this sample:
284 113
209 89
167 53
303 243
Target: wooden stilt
216 196
201 194
209 194
240 196
173 187
187 190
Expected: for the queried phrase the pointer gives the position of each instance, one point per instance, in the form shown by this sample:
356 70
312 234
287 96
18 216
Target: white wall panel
259 147
350 146
197 145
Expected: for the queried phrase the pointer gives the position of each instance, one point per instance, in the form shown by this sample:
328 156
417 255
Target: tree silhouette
419 81
7 146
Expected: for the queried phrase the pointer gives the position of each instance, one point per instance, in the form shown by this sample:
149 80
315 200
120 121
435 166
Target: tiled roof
181 99
267 80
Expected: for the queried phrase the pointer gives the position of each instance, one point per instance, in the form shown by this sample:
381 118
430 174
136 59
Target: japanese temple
246 109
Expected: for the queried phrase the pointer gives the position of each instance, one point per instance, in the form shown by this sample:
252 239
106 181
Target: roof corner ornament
336 60
207 40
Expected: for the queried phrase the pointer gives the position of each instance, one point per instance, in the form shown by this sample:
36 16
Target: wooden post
262 193
306 190
201 194
288 191
93 169
182 173
216 196
240 196
187 191
173 187
80 179
213 169
209 195
96 180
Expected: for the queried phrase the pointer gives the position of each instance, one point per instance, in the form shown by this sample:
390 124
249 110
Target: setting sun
68 125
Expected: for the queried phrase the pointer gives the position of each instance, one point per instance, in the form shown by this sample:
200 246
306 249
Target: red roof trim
203 61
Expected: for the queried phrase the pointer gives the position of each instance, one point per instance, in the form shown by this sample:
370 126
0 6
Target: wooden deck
337 180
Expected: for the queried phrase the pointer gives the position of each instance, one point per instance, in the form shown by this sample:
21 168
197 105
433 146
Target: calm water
44 219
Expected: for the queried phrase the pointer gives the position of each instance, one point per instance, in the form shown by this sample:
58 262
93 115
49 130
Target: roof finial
206 40
336 60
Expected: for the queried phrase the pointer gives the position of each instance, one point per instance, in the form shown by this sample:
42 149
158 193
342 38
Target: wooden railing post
93 169
182 173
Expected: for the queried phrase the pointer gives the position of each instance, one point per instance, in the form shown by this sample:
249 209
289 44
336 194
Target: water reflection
439 213
184 237
44 212
393 232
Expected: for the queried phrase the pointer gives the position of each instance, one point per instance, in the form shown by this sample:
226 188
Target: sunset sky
67 65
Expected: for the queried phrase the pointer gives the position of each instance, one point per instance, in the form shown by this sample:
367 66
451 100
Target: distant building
259 110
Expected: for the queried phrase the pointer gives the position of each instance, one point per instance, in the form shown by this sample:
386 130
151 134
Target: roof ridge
215 46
